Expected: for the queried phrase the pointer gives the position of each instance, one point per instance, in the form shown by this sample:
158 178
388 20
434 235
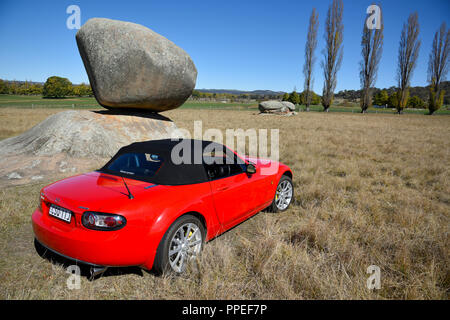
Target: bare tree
438 66
310 47
372 47
333 51
408 53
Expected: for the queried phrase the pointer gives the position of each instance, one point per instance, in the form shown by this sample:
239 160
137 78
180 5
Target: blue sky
245 45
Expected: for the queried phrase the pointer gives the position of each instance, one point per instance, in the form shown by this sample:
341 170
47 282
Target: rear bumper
69 258
119 248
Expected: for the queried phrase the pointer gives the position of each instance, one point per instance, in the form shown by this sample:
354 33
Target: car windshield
139 164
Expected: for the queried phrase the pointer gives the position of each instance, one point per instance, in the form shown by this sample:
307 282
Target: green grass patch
29 102
16 101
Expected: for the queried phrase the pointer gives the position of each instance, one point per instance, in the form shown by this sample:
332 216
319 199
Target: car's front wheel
181 243
283 195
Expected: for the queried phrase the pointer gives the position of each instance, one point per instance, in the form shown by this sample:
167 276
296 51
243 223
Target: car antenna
130 196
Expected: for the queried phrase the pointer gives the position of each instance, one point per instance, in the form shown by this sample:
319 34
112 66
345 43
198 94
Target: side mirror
251 169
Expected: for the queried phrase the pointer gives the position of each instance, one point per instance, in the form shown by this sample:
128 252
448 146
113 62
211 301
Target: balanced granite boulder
131 66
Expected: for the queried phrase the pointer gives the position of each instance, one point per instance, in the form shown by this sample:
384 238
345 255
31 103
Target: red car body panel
221 204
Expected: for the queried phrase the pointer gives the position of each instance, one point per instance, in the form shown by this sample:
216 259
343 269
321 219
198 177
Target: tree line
371 51
199 95
257 95
54 87
387 96
305 98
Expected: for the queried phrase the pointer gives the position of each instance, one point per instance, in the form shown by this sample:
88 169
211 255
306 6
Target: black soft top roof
190 171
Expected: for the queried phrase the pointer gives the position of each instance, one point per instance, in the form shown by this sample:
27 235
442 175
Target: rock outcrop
72 141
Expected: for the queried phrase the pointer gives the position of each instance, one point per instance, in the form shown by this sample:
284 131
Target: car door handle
222 188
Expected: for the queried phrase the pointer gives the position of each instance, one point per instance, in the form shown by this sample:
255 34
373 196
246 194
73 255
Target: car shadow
85 270
263 211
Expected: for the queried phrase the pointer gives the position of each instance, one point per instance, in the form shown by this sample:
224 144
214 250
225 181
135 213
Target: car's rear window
139 164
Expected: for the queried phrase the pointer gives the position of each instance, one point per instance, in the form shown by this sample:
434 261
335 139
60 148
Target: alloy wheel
186 243
283 195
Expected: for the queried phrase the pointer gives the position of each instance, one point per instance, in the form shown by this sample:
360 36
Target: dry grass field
369 190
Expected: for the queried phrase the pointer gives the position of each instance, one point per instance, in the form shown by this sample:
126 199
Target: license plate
60 213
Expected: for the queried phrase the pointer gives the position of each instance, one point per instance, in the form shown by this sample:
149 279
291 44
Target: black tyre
182 242
283 195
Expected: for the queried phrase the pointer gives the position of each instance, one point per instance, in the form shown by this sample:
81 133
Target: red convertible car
155 203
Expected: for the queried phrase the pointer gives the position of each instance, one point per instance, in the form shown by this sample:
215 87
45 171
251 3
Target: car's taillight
41 198
102 221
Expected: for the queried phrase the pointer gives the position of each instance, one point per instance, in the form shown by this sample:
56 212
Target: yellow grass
15 121
370 190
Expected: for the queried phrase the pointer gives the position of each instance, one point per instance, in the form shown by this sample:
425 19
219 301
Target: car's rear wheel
182 242
283 195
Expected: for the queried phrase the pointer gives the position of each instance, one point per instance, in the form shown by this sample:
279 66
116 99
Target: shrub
415 102
57 87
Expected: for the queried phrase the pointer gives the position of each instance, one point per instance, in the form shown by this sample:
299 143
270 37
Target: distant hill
238 92
20 82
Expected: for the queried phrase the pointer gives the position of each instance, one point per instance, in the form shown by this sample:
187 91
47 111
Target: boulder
131 66
271 105
275 106
289 105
